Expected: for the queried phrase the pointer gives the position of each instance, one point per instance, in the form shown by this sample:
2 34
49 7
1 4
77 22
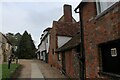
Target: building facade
68 57
5 48
43 48
61 32
100 22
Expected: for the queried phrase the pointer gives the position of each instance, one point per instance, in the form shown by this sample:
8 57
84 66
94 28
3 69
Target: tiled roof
75 41
66 28
47 29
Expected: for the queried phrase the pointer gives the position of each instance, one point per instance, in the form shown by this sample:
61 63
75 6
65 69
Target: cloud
39 1
0 17
31 16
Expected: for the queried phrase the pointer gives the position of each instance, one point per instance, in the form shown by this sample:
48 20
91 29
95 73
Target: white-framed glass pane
102 5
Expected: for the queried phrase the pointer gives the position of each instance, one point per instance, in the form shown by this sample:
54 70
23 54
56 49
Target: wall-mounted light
113 52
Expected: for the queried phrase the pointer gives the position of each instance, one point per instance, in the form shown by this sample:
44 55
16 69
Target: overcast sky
32 15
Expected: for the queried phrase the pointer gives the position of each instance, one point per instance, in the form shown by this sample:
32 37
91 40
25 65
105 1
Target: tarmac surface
36 69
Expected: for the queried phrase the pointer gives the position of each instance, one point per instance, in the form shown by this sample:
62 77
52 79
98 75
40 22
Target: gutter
82 57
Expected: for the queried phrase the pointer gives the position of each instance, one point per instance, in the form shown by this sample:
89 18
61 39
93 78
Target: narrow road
48 71
31 69
25 69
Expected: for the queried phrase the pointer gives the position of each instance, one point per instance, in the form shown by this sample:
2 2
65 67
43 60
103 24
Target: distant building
101 33
5 48
43 47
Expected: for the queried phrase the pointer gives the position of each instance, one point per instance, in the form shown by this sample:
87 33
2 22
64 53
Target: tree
14 39
26 47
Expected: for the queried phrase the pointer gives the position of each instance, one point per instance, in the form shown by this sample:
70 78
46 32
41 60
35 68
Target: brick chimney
67 13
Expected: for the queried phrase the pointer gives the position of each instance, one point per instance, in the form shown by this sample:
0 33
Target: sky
32 15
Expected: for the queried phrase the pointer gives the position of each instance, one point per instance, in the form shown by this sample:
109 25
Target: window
110 59
59 57
113 52
52 51
102 5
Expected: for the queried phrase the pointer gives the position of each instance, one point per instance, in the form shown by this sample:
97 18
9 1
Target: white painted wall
41 56
62 40
42 46
47 42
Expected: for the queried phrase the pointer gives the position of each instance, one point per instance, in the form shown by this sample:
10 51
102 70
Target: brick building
61 32
68 57
100 24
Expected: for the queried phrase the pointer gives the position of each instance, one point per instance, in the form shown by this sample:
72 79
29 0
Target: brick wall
98 30
67 13
72 64
66 28
53 44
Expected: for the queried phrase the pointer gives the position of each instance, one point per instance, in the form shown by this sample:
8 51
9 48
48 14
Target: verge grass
7 73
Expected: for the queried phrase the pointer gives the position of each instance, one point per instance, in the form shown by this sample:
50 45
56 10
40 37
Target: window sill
110 74
106 11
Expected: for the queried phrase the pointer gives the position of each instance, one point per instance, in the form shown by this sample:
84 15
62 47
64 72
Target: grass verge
7 73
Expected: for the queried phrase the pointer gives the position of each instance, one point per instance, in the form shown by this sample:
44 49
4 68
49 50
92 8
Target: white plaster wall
48 42
45 44
62 40
42 46
41 57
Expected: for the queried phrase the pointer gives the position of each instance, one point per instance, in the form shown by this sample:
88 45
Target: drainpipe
82 57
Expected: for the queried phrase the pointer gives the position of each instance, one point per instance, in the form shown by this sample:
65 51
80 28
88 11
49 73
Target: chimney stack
67 13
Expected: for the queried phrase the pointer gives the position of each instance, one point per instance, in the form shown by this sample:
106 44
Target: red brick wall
53 45
59 63
55 31
96 31
70 60
67 13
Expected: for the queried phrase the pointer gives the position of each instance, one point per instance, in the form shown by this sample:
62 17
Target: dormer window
102 5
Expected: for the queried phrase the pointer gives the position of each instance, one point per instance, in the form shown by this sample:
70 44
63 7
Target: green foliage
7 73
14 39
26 49
24 43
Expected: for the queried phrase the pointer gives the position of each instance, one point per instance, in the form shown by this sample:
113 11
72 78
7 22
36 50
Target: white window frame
113 52
99 5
